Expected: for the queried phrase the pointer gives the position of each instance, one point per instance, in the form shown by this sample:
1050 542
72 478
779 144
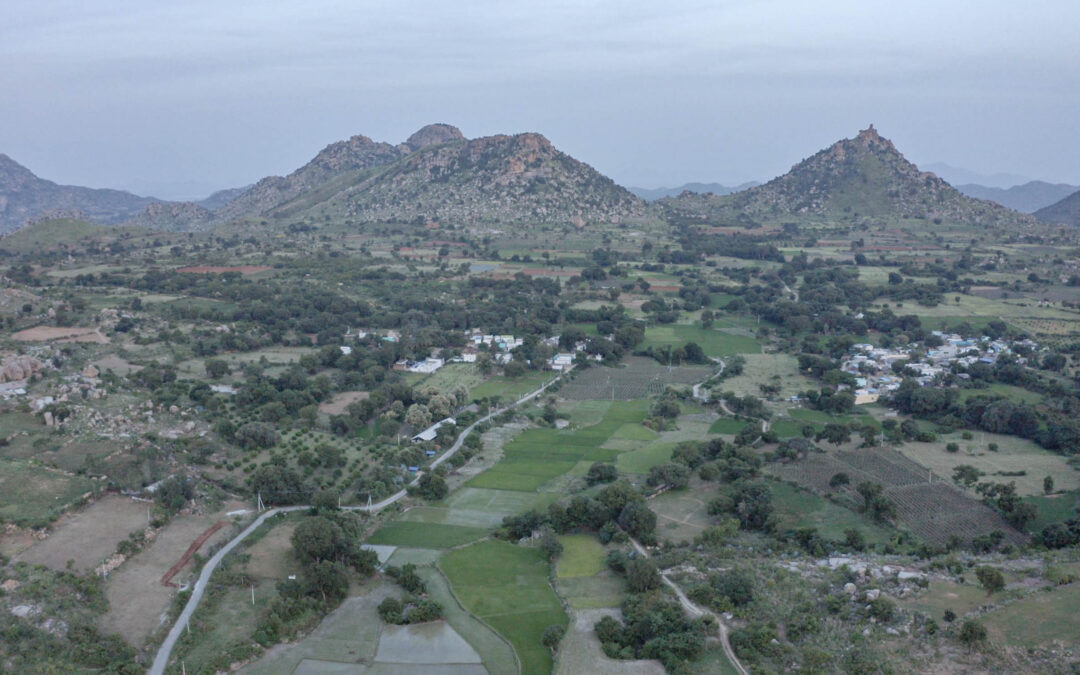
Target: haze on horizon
179 99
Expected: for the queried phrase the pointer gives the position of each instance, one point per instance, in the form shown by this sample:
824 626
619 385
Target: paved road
695 611
161 661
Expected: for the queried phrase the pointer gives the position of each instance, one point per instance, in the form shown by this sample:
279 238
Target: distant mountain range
853 180
652 194
25 197
1026 198
438 175
1064 212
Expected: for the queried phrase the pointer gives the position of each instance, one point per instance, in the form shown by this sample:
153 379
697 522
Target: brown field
61 333
137 600
116 364
88 536
341 401
271 556
213 269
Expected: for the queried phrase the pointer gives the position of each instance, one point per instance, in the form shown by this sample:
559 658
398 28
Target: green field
582 556
34 496
1054 509
797 508
943 595
537 456
508 389
425 535
729 426
1039 619
449 377
507 587
711 340
1013 393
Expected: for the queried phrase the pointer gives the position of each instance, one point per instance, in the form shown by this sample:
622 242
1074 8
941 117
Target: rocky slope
24 197
1065 212
850 181
501 179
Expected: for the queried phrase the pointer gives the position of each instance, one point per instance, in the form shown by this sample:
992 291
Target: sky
177 99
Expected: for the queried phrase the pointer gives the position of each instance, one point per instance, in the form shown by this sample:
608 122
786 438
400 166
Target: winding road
695 611
161 660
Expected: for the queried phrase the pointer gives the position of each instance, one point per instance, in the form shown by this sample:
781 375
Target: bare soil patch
340 402
137 600
271 556
88 536
62 333
214 269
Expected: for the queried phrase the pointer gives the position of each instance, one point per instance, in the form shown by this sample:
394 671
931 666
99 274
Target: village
878 370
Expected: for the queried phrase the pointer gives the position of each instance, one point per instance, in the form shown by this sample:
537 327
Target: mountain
852 180
652 194
1026 198
1066 211
222 197
959 176
25 197
439 175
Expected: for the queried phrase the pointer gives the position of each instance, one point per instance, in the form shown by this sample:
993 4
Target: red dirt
186 558
212 269
60 333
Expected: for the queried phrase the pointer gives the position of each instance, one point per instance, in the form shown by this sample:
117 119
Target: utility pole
252 595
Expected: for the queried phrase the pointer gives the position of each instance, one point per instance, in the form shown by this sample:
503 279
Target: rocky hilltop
1065 212
497 179
857 178
24 198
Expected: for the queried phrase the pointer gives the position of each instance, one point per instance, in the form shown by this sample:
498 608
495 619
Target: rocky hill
1026 198
1065 212
652 194
852 180
24 197
441 176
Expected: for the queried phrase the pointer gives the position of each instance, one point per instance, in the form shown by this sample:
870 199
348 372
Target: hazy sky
178 98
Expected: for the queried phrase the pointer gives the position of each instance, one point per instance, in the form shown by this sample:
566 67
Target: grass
507 587
34 496
605 589
508 389
1054 509
681 514
425 535
1038 619
582 556
730 426
447 378
538 456
640 461
782 369
1011 392
797 508
1014 454
943 595
712 341
230 624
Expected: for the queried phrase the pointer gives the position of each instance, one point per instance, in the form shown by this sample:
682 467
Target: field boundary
454 595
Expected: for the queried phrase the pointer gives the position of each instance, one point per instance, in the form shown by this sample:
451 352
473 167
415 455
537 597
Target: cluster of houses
872 367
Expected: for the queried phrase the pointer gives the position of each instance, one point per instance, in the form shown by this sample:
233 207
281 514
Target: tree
972 634
642 575
550 544
949 616
328 579
325 501
216 368
552 636
1048 485
839 480
835 433
431 486
966 475
418 416
601 472
256 436
675 476
318 538
990 578
514 369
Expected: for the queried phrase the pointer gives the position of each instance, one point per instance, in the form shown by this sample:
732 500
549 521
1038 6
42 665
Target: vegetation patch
425 535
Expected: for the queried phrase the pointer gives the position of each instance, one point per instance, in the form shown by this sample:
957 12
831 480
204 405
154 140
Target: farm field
226 625
137 599
1039 619
88 536
511 389
425 535
1014 455
682 515
764 369
797 508
582 556
507 587
537 456
715 342
1011 392
339 402
944 595
449 377
1054 508
933 511
639 377
34 496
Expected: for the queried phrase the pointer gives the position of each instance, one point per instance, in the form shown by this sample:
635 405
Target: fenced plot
639 378
88 536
